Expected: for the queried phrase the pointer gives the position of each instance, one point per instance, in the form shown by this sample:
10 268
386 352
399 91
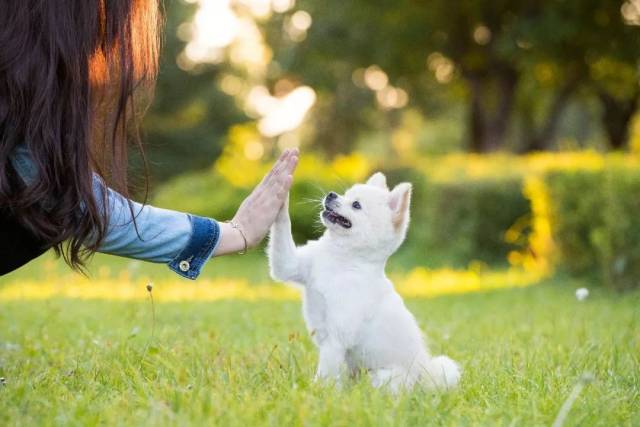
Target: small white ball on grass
582 294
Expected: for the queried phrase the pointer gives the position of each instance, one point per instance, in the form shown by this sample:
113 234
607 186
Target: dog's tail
442 372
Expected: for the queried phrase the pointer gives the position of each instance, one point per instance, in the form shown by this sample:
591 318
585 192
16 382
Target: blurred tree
520 56
186 124
552 65
588 45
515 64
406 38
615 68
616 116
321 61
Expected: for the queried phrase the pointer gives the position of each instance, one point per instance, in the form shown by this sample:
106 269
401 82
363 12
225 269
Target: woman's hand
258 211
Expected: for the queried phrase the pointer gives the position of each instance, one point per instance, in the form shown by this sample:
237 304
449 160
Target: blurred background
394 78
517 121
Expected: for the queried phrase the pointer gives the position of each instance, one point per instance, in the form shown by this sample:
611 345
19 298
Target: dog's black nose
331 196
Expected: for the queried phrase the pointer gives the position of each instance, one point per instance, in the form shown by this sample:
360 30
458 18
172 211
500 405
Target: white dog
352 311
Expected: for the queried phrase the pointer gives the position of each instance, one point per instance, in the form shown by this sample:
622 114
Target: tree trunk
491 102
338 123
476 116
542 138
616 116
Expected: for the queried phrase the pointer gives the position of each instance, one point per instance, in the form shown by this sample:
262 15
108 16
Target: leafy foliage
189 117
467 219
516 65
510 75
593 230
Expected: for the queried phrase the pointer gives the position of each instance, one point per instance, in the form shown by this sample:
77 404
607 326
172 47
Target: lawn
244 358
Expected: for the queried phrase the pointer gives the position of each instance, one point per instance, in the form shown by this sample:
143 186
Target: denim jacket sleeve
182 241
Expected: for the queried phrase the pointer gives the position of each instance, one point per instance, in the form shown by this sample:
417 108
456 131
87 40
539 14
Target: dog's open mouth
335 218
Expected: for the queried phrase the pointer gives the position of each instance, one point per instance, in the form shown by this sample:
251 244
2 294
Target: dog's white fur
352 311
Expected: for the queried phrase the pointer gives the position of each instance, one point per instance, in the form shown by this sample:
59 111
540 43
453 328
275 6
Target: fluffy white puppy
352 311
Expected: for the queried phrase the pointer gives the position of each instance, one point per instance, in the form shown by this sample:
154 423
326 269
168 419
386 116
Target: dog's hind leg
394 379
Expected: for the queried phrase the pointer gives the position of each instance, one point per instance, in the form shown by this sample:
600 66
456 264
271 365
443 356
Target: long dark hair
69 72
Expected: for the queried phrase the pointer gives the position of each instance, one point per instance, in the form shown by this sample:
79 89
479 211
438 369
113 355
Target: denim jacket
182 241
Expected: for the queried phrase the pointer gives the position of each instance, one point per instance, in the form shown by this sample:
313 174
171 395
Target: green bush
201 193
618 241
467 219
595 223
459 215
452 222
574 213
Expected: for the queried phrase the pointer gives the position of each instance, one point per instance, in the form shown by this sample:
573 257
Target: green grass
89 362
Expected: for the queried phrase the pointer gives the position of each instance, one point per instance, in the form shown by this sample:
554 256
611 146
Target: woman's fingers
281 163
286 178
292 163
280 173
283 167
284 187
258 211
282 183
276 167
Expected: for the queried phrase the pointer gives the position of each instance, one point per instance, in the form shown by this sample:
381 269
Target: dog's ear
378 180
399 201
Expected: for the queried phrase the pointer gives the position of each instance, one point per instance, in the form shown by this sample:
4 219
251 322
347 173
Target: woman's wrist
231 240
239 228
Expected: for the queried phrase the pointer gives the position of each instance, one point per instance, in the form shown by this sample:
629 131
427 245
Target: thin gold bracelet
235 225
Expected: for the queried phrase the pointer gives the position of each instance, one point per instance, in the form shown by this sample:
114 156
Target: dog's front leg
332 363
284 258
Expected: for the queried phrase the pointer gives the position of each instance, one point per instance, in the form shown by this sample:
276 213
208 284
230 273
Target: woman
71 76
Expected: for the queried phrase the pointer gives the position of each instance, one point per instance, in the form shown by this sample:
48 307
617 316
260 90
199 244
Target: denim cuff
205 236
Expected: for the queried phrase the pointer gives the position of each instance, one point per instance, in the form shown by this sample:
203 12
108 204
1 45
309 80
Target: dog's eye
356 205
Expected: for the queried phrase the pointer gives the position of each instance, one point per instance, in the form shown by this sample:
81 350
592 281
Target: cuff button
184 266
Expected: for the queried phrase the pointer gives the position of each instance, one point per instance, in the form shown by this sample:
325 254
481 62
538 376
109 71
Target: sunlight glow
482 35
231 85
442 67
301 20
249 50
259 8
375 78
630 11
214 27
297 25
227 30
418 283
392 97
284 114
281 6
